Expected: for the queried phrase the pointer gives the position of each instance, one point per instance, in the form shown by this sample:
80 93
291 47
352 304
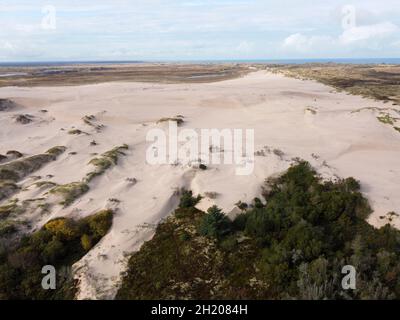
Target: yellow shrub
63 228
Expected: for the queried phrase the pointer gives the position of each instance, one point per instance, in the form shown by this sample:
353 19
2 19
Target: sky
70 30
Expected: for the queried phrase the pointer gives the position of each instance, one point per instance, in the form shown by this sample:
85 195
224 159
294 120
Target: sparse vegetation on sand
12 172
23 118
386 118
292 247
311 110
14 154
89 120
15 207
7 188
179 120
70 192
45 184
56 151
211 194
61 242
105 161
19 169
183 73
7 105
75 132
8 209
379 82
7 228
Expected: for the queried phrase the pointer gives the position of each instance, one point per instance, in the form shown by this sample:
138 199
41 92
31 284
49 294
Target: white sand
351 144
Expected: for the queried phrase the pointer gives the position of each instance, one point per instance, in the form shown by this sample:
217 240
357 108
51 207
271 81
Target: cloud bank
197 29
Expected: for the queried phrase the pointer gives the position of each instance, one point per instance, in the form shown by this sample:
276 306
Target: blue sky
197 29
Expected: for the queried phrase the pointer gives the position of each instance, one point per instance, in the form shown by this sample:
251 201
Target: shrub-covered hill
292 247
60 243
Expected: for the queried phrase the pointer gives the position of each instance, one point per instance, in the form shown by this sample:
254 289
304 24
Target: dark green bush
215 224
293 247
187 200
61 242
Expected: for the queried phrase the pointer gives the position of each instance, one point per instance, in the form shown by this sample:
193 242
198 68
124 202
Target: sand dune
300 118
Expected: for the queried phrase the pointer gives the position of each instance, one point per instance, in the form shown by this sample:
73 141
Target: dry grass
380 82
90 74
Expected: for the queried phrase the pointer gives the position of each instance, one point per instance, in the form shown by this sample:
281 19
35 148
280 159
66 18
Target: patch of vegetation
23 118
56 151
61 243
105 161
390 216
386 119
47 184
12 172
89 121
242 205
211 194
14 154
7 227
311 109
214 224
7 104
379 82
187 199
131 181
70 192
292 247
278 153
8 209
75 132
7 188
179 120
19 169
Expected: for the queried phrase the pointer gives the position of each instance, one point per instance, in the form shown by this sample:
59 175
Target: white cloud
6 45
303 43
245 47
202 29
372 36
368 32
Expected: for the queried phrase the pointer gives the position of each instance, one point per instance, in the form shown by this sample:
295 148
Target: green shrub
187 200
239 223
56 151
63 228
215 224
293 247
100 223
86 242
61 242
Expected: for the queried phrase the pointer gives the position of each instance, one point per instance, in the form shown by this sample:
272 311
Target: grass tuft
70 192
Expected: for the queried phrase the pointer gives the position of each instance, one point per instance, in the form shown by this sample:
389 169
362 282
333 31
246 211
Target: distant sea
263 61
